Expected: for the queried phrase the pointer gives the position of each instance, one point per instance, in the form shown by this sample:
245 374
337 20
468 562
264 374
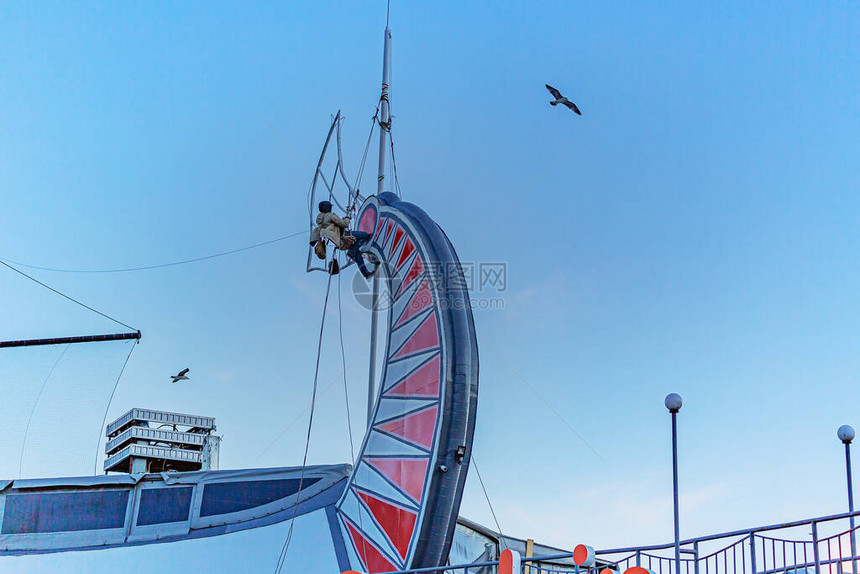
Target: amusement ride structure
395 507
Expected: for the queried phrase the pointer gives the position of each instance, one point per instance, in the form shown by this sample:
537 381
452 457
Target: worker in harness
334 228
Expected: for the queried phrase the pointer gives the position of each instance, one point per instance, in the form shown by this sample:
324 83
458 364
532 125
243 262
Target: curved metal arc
441 478
353 195
317 171
312 195
350 197
330 188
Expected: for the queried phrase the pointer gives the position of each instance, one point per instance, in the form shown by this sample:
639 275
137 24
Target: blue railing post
815 548
752 552
638 558
696 558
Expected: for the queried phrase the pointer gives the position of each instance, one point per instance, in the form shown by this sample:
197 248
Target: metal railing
534 565
798 547
786 548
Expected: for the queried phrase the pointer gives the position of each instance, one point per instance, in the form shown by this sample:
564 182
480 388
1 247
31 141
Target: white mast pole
384 126
383 111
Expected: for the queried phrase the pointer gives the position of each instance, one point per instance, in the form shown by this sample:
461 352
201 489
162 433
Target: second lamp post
673 402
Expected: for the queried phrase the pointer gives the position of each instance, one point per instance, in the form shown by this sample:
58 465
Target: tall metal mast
384 119
384 127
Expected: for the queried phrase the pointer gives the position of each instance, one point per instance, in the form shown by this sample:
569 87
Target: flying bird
559 99
181 376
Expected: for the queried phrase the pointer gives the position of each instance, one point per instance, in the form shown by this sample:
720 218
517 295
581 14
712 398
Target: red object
398 235
415 427
506 562
374 560
408 248
421 300
580 554
423 383
413 273
406 473
397 523
425 338
368 220
379 233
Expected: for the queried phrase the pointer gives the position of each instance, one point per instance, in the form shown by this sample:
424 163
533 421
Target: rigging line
373 122
301 414
535 180
282 558
33 410
159 265
544 401
280 137
343 362
66 296
107 408
487 496
394 165
345 393
293 422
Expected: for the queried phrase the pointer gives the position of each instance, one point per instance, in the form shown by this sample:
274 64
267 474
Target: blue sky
696 230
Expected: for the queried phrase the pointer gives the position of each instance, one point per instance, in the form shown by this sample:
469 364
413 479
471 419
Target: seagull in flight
559 99
181 376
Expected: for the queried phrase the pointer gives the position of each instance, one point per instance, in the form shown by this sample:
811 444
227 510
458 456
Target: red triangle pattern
424 382
398 235
380 230
408 248
398 523
414 272
425 337
421 300
374 561
388 231
416 427
367 223
407 473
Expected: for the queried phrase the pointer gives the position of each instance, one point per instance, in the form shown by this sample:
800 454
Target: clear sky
695 230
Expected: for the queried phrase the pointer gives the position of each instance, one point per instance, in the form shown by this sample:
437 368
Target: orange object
509 562
583 555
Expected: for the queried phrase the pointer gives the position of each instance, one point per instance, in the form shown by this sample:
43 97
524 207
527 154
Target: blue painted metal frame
437 518
461 396
125 536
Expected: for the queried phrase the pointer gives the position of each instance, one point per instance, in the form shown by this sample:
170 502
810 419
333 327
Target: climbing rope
33 410
490 504
107 408
286 547
343 363
345 393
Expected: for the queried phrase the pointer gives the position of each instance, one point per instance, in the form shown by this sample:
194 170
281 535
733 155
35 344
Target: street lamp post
674 402
846 435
